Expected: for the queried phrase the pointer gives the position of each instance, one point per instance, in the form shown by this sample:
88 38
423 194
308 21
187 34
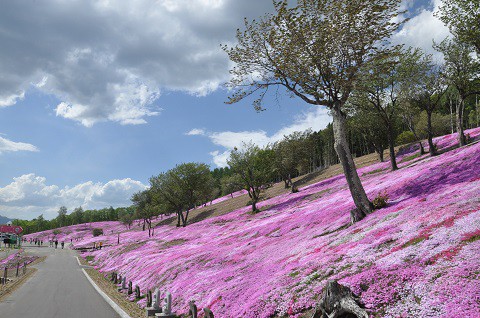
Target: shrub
380 200
56 232
406 137
97 232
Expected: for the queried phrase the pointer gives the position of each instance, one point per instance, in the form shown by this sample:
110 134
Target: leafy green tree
77 215
292 157
315 50
461 71
230 184
62 216
425 86
40 223
254 167
439 124
144 209
181 189
463 19
374 135
126 216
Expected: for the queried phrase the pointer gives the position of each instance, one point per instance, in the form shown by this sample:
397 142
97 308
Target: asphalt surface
59 289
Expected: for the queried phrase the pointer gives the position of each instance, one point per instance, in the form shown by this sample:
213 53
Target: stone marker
193 312
130 289
123 284
167 307
149 298
155 307
137 292
208 313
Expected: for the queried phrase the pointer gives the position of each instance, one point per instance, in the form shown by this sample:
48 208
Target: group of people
55 241
97 246
36 241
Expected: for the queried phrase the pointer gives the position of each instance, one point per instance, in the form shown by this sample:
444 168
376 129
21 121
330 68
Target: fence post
18 267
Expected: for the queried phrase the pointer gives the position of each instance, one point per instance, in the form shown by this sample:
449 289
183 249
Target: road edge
112 304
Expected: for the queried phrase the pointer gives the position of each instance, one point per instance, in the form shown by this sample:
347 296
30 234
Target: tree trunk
379 152
178 218
391 147
432 150
254 206
363 205
422 150
461 136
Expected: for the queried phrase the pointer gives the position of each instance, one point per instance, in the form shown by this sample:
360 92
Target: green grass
411 157
373 172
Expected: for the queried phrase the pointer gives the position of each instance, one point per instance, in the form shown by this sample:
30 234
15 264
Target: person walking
63 244
56 243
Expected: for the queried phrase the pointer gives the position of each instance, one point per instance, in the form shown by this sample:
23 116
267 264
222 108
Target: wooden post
5 274
18 267
24 268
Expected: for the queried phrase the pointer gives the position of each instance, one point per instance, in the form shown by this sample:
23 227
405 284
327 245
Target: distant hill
4 219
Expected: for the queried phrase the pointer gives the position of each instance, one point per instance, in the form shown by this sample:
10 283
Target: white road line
115 307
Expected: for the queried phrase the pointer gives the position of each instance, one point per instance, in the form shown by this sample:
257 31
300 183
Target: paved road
59 289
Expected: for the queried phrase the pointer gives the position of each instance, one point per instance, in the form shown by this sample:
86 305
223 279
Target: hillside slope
418 257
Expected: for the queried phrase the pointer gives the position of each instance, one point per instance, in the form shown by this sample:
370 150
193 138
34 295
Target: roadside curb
112 304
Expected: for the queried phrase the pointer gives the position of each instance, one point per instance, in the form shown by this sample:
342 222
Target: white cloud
12 99
29 195
112 60
422 29
196 132
314 120
12 146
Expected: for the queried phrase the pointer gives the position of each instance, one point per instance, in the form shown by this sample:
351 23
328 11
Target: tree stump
338 301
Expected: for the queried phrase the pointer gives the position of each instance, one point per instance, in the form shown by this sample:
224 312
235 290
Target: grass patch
89 258
111 290
373 172
294 274
414 241
411 157
174 242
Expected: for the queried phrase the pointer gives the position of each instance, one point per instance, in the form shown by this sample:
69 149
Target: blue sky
97 96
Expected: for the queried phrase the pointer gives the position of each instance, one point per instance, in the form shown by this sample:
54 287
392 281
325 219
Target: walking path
59 289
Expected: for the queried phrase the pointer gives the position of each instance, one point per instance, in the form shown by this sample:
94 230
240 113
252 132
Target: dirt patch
110 289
